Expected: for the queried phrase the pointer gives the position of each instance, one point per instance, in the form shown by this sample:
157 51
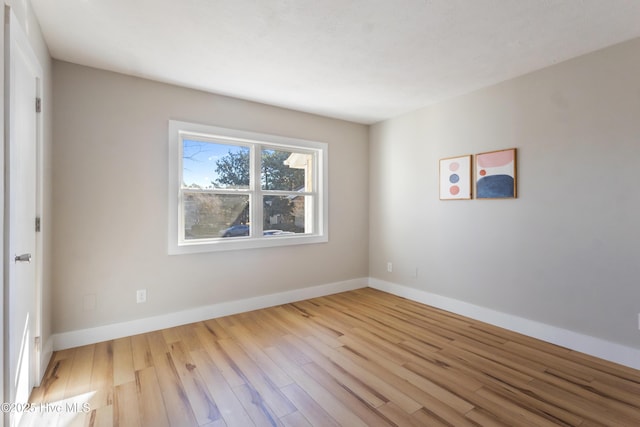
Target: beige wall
564 253
110 188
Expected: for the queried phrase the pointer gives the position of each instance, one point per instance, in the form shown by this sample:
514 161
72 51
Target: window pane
211 165
283 215
209 216
286 170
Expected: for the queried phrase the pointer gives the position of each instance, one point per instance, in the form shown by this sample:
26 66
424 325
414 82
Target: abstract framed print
455 178
495 174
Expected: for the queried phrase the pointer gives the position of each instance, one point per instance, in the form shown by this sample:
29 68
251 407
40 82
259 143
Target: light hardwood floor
360 358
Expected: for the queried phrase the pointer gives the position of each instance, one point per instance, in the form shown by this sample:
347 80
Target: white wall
565 253
110 188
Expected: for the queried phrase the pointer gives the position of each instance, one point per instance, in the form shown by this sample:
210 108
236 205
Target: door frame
4 417
15 38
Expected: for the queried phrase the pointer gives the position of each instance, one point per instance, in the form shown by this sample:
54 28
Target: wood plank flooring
360 358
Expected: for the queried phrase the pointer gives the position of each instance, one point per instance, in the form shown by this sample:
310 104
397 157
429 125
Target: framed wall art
495 174
455 178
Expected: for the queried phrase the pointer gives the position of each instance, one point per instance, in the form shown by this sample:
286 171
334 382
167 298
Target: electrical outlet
141 296
390 267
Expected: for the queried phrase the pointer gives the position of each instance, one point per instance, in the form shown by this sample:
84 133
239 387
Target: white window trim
320 232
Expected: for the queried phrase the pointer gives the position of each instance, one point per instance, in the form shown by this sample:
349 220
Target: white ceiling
359 60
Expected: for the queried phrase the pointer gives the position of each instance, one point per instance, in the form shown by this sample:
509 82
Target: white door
24 74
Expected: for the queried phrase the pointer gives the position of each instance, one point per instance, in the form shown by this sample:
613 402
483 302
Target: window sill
241 243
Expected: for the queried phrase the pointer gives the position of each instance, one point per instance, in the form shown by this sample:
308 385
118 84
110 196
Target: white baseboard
597 347
81 337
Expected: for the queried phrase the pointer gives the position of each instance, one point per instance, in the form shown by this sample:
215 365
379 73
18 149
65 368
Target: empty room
321 213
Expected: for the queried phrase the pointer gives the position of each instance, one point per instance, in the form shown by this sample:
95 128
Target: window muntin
236 190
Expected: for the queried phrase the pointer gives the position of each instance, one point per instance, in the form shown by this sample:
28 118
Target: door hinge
38 224
38 105
37 344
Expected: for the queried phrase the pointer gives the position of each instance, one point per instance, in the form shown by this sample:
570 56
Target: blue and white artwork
496 174
455 178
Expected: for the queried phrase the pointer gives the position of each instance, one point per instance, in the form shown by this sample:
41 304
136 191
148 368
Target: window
232 189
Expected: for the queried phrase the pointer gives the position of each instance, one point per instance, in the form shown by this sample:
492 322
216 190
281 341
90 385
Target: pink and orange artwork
455 178
495 174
